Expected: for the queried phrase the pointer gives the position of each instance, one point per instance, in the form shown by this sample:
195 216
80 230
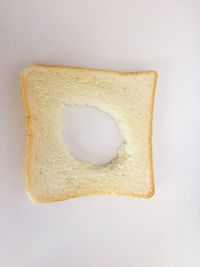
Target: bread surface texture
52 173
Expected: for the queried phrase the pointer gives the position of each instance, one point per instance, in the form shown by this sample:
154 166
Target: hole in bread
91 135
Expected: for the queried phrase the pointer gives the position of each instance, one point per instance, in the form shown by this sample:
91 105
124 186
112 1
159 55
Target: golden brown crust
98 70
41 199
29 133
151 193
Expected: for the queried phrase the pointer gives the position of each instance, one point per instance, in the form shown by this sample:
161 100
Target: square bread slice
52 173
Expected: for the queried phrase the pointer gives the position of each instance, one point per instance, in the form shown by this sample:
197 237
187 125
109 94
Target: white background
105 231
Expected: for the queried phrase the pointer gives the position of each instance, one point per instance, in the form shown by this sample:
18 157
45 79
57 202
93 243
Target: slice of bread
52 172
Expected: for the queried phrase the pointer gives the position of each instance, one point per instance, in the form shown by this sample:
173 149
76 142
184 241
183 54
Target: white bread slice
52 173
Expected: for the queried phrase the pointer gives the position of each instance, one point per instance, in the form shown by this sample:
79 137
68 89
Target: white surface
105 231
91 134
